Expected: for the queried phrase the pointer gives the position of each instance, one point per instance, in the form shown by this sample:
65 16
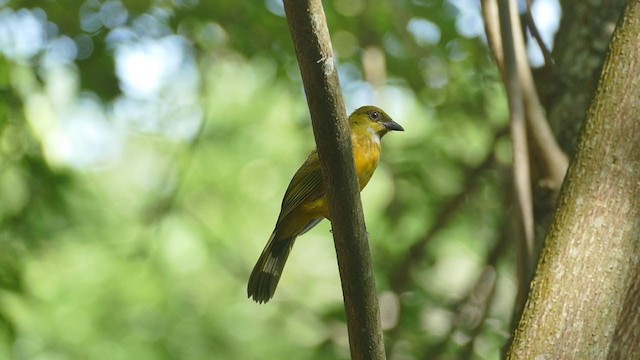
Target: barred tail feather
266 274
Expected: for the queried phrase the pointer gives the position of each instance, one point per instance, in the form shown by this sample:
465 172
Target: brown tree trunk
584 282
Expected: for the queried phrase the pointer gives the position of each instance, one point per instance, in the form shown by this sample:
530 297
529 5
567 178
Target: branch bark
592 252
308 27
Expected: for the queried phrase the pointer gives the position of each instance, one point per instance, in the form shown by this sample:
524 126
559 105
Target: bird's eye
374 115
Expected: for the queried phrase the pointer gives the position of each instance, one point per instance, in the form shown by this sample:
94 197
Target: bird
305 205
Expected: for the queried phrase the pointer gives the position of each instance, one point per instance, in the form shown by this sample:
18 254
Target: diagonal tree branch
310 34
533 28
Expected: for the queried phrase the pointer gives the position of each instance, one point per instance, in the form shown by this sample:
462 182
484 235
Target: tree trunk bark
584 281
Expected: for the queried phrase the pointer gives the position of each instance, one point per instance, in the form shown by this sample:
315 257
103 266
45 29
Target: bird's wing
306 186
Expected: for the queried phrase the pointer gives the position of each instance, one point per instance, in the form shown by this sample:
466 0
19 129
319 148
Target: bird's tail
266 274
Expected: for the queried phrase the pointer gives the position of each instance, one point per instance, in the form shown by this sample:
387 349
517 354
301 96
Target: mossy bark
581 304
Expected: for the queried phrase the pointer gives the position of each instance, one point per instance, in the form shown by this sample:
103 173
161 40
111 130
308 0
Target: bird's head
372 119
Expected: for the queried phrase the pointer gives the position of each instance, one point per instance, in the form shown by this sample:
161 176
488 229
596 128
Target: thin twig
550 161
533 28
474 308
483 292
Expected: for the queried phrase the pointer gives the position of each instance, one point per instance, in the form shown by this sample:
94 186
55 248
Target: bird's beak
392 125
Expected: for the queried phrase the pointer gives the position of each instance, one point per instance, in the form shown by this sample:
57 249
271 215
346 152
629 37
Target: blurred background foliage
145 147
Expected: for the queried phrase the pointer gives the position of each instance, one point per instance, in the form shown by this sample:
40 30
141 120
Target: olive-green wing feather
306 186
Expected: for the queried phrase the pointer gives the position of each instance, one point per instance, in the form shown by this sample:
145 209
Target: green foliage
130 218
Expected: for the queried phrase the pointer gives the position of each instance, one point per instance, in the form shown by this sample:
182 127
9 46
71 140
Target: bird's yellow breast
366 154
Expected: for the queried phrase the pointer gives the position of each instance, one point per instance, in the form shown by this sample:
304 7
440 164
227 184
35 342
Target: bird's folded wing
305 187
